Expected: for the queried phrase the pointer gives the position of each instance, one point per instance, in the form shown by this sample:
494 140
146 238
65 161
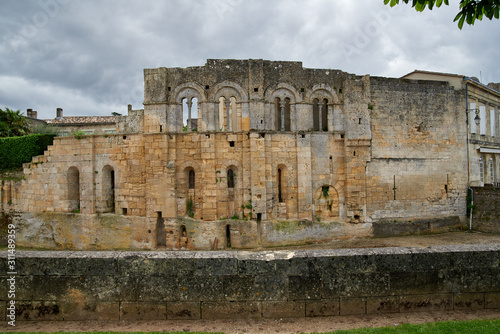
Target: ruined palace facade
248 153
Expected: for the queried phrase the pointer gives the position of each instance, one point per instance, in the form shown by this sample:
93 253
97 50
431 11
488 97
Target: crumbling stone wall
213 285
274 141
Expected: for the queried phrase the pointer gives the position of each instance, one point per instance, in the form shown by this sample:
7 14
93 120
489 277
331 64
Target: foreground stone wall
211 285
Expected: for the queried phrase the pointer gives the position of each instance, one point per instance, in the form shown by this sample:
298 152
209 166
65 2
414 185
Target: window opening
161 234
74 189
280 193
231 144
230 178
316 115
191 177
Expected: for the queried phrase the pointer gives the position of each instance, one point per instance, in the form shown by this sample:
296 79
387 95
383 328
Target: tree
470 10
13 123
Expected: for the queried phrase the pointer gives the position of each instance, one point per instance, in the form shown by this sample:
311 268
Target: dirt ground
299 325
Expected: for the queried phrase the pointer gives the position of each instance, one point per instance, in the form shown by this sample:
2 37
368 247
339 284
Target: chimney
29 112
34 114
59 113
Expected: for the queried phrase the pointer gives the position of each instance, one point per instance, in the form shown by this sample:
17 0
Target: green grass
468 327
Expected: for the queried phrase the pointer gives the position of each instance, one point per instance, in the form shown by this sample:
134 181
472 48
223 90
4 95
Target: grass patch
469 327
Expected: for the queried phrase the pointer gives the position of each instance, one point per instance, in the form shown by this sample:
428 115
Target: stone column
189 104
320 112
282 115
228 106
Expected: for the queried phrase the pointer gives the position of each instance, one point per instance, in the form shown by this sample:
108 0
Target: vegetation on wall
14 151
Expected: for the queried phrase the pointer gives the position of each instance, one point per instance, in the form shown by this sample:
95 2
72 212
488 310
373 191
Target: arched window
324 115
230 178
191 178
74 189
286 117
189 114
316 115
280 184
278 114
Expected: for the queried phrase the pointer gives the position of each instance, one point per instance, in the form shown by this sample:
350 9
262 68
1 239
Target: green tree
470 10
13 123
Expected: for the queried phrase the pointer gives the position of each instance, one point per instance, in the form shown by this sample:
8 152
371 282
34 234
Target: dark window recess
259 217
256 89
303 135
169 89
262 135
342 136
231 144
161 128
191 179
207 136
340 90
331 157
124 211
207 87
230 178
261 121
124 137
302 90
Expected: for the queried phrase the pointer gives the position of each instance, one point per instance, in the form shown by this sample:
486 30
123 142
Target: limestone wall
212 285
418 153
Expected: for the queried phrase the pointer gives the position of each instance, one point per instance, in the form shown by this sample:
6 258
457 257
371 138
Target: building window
108 188
472 115
492 123
230 178
280 192
191 178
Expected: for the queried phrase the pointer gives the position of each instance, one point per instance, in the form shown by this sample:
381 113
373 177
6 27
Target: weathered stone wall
418 152
212 285
486 213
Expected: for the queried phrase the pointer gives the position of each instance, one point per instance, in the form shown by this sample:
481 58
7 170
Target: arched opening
280 184
324 115
108 189
189 114
316 116
230 178
326 202
287 118
191 179
73 189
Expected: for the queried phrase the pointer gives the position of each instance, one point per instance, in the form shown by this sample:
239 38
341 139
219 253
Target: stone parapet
267 284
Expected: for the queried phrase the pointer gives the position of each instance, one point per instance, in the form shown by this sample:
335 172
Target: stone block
53 288
231 310
484 280
82 311
92 266
38 311
322 308
42 266
376 305
492 300
426 303
183 311
408 283
469 301
216 266
352 306
290 309
355 285
195 289
148 289
23 287
143 311
304 288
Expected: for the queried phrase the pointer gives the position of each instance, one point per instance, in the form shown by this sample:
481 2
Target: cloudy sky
87 56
